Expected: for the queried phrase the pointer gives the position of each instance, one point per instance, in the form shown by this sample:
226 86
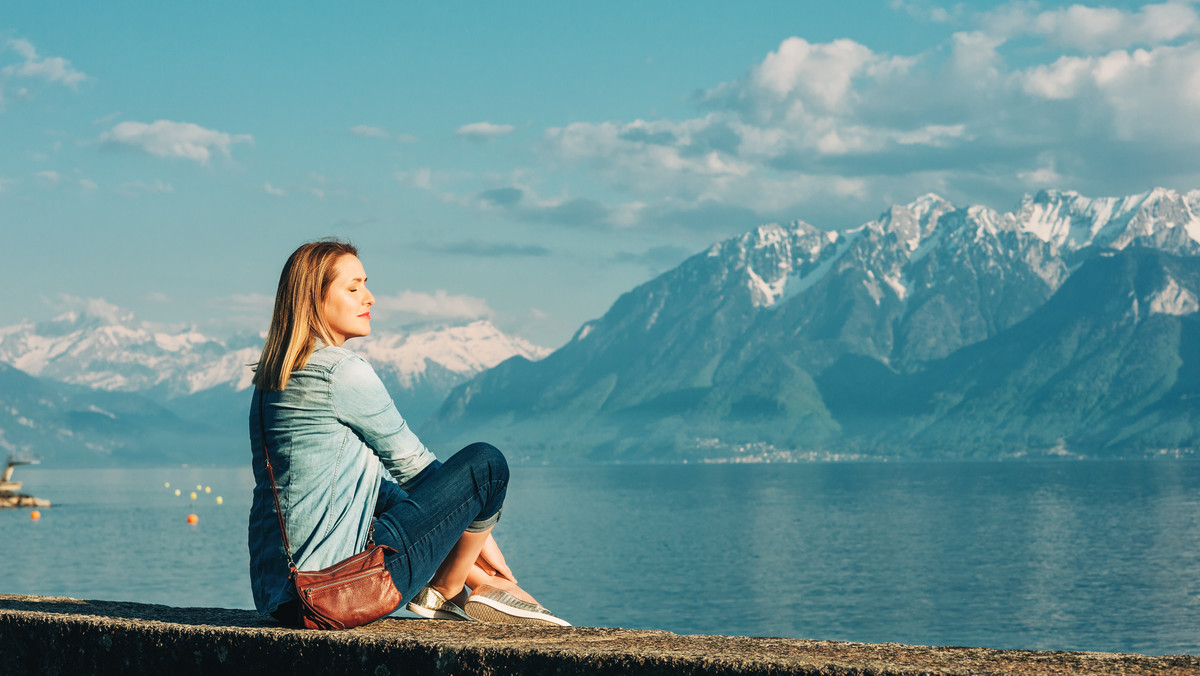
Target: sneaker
429 603
489 604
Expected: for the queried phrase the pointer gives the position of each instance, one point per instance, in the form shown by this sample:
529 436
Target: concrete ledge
54 635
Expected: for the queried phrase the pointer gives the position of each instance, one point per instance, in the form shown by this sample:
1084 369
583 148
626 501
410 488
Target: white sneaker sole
489 610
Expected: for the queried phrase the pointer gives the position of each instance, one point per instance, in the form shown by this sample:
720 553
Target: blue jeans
423 519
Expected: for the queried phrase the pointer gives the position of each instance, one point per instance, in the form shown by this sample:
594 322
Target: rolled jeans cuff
484 524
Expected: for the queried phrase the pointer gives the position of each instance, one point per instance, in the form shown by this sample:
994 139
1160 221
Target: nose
370 299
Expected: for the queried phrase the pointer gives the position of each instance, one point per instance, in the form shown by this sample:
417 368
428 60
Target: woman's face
347 306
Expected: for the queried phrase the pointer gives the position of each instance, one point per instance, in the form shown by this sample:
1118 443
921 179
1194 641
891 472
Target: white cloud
88 184
1145 96
484 131
369 131
438 305
1102 28
164 138
93 307
51 69
48 176
272 190
813 126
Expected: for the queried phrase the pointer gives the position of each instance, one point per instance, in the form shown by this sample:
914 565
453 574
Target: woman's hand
492 561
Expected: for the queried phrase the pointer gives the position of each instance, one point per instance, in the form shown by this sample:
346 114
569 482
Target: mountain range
103 388
1064 327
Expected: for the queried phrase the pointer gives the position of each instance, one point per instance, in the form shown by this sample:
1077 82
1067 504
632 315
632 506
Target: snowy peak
774 258
915 221
1160 218
463 350
114 353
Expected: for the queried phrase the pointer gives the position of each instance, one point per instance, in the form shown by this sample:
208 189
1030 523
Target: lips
366 314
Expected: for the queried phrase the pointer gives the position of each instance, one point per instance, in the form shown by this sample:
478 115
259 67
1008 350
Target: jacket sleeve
361 401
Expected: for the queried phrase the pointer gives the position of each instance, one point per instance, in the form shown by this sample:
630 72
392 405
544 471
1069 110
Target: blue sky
529 162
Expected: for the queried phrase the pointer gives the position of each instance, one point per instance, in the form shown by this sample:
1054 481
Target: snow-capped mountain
103 388
765 337
118 354
126 356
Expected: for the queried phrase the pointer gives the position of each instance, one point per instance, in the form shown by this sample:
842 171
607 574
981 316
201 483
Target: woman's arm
361 401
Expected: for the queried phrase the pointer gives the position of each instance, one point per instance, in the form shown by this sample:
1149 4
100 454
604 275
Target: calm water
1088 556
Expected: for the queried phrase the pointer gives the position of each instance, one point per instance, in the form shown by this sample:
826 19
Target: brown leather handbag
350 593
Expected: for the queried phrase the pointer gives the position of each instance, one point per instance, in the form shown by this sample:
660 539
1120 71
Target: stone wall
51 635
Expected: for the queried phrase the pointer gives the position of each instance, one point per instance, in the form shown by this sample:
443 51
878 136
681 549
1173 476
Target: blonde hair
298 318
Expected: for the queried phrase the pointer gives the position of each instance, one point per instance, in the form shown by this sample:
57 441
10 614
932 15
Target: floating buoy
208 489
192 518
176 491
219 500
193 495
167 485
198 487
35 515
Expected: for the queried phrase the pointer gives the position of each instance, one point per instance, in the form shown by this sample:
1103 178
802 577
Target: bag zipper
308 591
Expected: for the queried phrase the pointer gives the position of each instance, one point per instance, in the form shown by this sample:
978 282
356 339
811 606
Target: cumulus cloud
165 138
272 190
814 127
48 176
484 131
51 69
1096 29
92 307
438 305
88 184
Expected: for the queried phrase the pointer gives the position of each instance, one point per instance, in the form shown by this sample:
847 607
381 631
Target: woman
332 431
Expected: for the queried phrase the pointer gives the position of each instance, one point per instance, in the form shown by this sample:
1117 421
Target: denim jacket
331 432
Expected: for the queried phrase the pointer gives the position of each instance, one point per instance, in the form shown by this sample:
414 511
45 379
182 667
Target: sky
528 162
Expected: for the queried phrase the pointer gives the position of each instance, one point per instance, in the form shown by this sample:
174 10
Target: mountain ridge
730 347
159 380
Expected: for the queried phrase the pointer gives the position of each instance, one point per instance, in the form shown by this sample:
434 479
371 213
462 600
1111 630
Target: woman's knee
483 454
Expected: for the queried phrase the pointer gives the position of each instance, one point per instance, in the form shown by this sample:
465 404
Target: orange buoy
192 518
35 515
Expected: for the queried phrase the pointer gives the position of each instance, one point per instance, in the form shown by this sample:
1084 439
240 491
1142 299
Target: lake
1041 555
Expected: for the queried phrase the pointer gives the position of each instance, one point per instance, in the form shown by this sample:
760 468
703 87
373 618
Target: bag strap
287 548
262 426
